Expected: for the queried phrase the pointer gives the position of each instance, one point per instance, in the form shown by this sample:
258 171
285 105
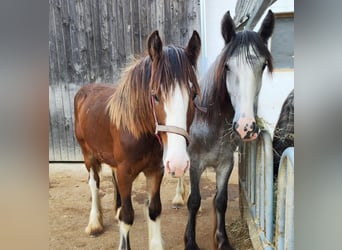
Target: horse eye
194 96
155 97
264 66
226 67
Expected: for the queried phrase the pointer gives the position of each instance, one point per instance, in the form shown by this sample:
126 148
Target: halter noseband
167 128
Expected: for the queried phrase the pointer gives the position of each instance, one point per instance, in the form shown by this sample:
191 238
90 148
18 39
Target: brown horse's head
173 85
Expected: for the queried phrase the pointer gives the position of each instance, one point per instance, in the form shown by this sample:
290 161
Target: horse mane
130 106
214 90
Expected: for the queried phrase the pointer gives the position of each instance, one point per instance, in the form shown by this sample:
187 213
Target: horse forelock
246 42
173 68
130 106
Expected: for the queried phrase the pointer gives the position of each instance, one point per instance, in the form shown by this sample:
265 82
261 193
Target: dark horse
140 125
283 135
230 92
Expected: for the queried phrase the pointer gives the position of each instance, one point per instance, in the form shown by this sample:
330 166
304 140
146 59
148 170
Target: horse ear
154 45
193 48
267 27
227 27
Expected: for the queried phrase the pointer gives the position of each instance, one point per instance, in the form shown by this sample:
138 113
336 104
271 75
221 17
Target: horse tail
79 98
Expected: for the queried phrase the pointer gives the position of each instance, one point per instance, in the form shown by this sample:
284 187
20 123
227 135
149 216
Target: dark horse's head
241 67
173 84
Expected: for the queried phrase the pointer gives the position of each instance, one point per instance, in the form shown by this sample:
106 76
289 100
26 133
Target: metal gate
268 214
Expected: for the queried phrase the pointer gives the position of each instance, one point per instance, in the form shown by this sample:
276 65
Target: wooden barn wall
92 41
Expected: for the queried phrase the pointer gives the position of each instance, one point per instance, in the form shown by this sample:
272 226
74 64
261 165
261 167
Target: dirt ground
69 206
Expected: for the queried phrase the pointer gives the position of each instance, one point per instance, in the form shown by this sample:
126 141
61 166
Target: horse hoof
177 205
93 231
225 246
177 202
191 246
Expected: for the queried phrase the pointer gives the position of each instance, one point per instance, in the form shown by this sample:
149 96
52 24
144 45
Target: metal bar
268 178
251 175
257 190
284 236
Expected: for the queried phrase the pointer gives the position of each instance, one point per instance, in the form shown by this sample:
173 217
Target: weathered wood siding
249 12
92 41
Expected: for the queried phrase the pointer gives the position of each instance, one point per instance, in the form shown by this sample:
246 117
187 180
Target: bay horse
230 92
139 125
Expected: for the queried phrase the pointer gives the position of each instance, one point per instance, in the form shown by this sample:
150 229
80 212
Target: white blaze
176 158
243 84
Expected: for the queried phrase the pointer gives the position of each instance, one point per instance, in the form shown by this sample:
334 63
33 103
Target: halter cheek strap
167 128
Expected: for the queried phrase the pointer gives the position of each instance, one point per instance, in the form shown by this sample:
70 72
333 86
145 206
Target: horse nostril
168 166
254 127
235 126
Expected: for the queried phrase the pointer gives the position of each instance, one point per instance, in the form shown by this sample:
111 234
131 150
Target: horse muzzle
176 168
247 129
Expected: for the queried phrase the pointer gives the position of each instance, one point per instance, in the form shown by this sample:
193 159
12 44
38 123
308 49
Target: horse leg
95 225
153 210
194 203
178 200
125 213
117 197
221 241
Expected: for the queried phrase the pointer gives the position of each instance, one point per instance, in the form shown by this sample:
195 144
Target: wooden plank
149 18
90 41
127 27
104 38
98 36
74 63
61 63
158 17
167 22
60 116
51 142
184 28
53 55
114 41
136 20
121 49
144 26
175 24
193 21
80 21
66 46
55 121
95 38
68 121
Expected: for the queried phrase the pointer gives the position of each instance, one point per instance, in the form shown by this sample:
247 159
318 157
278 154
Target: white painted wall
276 87
212 12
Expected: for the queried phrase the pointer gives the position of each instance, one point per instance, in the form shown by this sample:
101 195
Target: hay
238 234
